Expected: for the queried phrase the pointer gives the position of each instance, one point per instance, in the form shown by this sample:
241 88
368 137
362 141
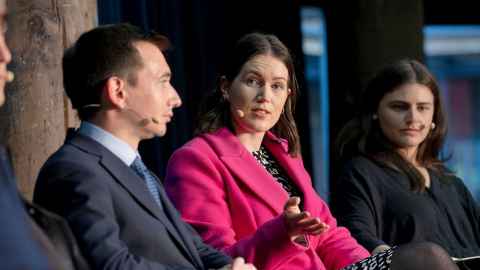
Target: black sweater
375 203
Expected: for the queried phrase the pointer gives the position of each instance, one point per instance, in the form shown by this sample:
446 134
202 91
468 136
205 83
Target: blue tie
148 177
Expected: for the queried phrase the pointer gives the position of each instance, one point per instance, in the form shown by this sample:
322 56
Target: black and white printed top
271 165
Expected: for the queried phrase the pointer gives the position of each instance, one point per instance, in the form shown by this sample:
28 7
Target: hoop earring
433 126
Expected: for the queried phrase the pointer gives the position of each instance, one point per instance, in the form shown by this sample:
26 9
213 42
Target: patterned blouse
271 165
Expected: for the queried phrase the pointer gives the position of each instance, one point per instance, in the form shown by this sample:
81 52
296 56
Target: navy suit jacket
116 221
18 249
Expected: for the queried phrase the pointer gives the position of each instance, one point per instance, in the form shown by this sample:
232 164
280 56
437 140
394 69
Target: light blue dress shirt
118 147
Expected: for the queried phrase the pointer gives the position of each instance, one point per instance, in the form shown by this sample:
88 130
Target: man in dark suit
118 80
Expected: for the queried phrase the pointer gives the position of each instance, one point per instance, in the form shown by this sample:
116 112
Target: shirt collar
117 146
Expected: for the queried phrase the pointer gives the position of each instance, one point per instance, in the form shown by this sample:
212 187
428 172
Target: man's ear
115 93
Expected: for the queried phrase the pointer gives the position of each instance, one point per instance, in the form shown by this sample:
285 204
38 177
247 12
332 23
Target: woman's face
258 94
405 115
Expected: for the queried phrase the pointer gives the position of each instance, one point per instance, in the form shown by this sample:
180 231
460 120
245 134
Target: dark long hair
363 135
215 110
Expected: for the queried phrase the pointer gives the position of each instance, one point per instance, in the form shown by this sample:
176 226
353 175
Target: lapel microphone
240 113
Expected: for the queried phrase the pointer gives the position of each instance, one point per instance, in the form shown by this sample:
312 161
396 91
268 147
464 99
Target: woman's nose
412 115
264 93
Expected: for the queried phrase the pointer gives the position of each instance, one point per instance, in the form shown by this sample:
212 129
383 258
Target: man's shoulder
69 159
76 148
70 167
68 154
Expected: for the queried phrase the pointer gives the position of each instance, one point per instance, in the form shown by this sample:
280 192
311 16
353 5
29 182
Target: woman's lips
264 111
411 131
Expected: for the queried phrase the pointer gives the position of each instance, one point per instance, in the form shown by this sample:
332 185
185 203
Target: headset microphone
144 120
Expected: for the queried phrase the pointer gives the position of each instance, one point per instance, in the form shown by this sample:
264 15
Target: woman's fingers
298 222
292 205
316 229
304 223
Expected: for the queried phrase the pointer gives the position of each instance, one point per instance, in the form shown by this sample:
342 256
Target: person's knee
426 255
435 257
429 249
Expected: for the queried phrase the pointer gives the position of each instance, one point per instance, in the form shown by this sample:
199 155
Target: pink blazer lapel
293 167
245 169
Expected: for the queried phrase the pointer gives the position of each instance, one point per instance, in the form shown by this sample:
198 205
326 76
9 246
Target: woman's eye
399 107
252 82
423 108
278 86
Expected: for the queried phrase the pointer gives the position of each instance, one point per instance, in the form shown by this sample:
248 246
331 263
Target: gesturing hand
300 223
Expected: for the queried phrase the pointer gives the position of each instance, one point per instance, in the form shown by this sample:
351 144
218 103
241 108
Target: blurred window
453 55
314 45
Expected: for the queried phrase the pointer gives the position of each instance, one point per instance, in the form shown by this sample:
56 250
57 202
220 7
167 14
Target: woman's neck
251 141
410 155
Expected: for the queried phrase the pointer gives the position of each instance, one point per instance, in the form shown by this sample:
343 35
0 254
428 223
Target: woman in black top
396 190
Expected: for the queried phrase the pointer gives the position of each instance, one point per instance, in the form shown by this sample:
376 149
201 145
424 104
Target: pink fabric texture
236 205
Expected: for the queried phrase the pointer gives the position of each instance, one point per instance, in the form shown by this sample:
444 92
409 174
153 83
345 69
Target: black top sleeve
357 205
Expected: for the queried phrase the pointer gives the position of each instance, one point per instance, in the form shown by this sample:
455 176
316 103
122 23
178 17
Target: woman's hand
380 248
300 223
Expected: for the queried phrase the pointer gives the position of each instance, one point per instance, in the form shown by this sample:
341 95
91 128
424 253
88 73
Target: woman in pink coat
241 182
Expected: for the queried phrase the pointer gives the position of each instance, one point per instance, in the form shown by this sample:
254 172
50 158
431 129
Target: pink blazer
236 205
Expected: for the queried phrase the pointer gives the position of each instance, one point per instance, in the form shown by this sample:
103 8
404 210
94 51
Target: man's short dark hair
99 54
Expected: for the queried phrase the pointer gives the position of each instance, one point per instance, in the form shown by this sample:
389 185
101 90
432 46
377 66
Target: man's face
5 56
153 96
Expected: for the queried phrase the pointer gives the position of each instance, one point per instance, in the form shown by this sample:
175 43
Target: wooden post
36 114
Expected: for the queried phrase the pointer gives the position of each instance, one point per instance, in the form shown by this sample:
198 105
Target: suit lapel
177 222
247 170
131 182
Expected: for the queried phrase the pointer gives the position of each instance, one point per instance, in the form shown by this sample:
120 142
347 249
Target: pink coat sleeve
195 182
